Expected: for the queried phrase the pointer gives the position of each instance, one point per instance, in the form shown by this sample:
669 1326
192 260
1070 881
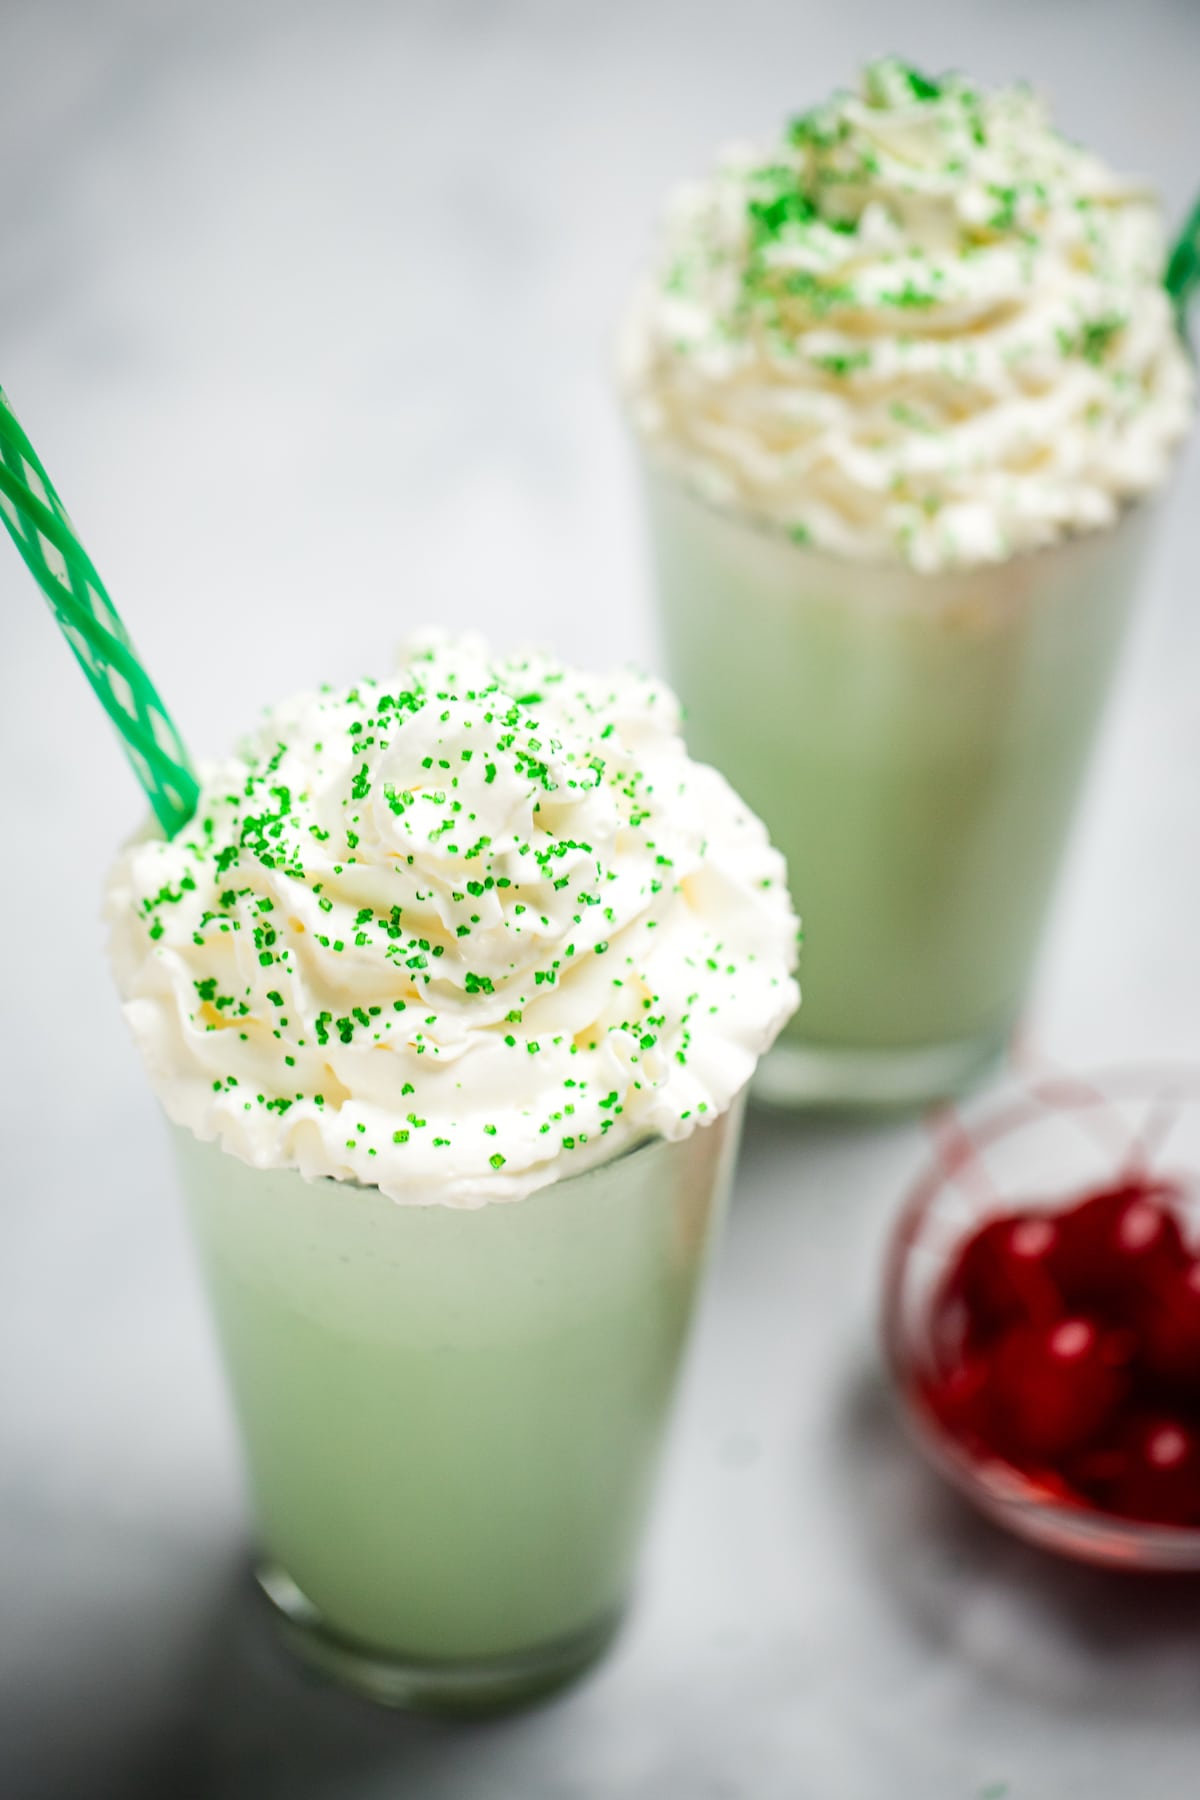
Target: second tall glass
916 744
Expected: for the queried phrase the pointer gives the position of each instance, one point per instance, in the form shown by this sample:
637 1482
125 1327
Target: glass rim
772 531
627 1152
1038 1096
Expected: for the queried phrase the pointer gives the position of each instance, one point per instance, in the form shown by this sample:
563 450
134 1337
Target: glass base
464 1688
835 1078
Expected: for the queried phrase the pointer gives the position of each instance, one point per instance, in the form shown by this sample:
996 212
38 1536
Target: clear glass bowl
1049 1143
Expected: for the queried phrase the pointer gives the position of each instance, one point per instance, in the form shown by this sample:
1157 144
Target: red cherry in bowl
1004 1274
1116 1244
1169 1329
958 1397
1052 1389
1161 1481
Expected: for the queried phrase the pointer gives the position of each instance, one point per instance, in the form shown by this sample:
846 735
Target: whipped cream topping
456 934
922 325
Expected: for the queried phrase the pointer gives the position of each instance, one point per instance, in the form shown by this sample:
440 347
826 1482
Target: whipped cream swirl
922 325
456 934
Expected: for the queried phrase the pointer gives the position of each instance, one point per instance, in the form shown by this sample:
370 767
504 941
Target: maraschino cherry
1169 1330
1053 1387
1114 1242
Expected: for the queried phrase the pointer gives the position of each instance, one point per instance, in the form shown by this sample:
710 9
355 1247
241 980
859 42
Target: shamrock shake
905 383
452 988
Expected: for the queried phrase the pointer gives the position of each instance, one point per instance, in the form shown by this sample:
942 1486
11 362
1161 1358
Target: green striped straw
38 525
1183 269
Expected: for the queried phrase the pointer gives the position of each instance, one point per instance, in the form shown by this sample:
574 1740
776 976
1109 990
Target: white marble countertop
307 307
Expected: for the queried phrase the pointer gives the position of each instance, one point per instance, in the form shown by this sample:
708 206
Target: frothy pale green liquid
914 743
451 1419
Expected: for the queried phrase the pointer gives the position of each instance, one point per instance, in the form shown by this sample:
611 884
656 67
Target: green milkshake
452 988
904 384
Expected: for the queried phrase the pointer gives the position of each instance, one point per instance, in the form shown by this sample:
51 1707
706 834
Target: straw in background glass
1182 279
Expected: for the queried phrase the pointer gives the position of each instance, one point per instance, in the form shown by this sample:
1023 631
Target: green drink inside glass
918 746
452 1418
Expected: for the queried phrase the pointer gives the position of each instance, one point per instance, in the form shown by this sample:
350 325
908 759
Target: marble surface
308 308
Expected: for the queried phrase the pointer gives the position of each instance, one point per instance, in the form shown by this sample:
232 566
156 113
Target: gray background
308 308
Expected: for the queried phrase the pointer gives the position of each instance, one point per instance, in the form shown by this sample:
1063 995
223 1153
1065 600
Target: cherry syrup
1067 1344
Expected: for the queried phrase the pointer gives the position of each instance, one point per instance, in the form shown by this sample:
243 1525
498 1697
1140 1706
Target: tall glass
915 744
451 1418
